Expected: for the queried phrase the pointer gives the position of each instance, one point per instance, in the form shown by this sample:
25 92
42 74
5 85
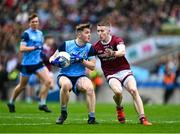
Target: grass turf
28 119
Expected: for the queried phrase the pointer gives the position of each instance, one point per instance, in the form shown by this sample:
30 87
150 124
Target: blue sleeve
25 37
91 52
62 47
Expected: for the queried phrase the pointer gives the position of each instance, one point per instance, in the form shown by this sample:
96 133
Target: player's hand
38 48
43 55
76 58
109 52
57 63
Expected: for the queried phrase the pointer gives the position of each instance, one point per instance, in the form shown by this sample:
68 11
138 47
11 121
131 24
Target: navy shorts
27 70
73 81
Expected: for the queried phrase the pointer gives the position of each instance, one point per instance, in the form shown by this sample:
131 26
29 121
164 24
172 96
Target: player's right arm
53 59
91 63
54 56
23 44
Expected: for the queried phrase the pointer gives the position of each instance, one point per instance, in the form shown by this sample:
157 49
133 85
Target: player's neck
107 41
79 42
34 29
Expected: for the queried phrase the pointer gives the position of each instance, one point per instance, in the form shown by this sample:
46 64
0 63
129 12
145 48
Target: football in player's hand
64 59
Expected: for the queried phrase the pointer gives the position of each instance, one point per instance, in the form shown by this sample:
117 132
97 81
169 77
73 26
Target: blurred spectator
97 79
3 78
177 78
169 82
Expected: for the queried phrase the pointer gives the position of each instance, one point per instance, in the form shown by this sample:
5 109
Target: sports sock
117 101
42 102
11 101
118 106
64 108
141 115
91 114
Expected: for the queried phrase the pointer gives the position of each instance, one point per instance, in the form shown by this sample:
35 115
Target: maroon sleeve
119 41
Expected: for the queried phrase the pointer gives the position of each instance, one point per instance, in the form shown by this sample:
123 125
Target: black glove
38 48
57 63
76 59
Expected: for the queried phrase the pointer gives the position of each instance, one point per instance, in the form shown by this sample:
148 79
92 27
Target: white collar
105 43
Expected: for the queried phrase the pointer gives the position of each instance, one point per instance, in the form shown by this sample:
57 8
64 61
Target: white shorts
123 76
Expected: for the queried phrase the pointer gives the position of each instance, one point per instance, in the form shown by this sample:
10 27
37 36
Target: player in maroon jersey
48 50
111 51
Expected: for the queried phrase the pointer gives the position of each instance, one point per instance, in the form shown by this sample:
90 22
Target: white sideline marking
167 122
26 124
37 124
25 117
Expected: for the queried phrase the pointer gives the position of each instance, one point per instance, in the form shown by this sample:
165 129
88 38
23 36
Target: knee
134 92
66 87
21 86
90 88
48 83
90 92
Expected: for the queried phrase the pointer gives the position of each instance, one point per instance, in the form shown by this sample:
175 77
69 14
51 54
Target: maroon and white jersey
48 52
111 65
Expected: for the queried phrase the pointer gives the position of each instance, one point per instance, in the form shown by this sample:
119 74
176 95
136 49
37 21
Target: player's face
103 32
50 42
34 23
85 35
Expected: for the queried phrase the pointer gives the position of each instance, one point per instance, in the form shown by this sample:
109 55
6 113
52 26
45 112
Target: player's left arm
120 50
23 44
90 63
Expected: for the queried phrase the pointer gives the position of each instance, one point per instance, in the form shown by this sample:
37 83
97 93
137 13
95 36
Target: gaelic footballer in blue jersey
74 77
31 45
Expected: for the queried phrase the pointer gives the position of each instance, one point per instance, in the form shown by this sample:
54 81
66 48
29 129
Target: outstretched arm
90 64
54 56
119 53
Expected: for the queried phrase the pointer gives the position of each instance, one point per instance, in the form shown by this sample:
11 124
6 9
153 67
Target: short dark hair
32 16
48 37
82 26
104 23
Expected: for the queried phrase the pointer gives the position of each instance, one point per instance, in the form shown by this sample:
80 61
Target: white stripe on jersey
121 46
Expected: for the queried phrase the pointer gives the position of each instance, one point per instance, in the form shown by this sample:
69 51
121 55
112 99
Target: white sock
11 101
43 102
64 108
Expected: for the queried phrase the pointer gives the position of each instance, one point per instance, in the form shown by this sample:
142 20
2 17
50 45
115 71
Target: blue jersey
76 69
32 37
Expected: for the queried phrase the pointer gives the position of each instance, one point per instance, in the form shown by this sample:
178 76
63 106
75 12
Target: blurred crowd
167 71
133 20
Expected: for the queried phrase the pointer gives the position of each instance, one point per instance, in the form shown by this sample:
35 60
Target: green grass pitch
28 119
